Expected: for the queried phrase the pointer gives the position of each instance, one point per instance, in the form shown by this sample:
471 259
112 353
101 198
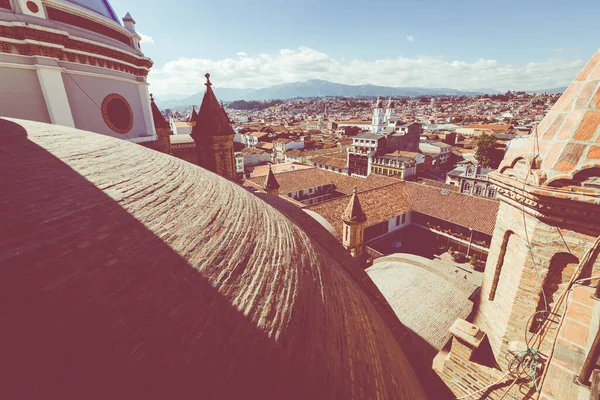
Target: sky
464 44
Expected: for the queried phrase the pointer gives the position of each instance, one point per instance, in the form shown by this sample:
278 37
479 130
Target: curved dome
101 7
128 273
564 152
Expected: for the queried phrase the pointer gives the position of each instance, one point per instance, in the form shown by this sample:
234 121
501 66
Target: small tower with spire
163 128
191 121
129 24
271 185
377 121
213 136
353 223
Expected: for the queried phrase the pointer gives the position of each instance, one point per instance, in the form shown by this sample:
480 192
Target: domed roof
101 7
128 273
565 150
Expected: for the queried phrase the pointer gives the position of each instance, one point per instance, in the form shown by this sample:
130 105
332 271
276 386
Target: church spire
271 185
213 135
377 120
163 128
353 223
212 119
354 212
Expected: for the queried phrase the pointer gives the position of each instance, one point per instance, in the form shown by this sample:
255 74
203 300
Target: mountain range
321 88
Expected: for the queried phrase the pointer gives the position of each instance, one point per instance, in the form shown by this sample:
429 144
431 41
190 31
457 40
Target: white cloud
186 75
241 54
410 38
146 39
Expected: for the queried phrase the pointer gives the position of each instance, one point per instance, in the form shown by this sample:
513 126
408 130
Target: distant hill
555 90
318 88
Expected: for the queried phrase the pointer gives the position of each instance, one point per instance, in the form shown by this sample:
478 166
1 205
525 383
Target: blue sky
527 44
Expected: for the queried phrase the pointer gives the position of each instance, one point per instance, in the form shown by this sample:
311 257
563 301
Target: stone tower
390 113
163 129
377 120
271 185
353 221
548 221
213 136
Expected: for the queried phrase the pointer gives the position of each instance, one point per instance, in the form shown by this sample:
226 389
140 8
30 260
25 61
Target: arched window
560 271
492 193
467 187
500 264
478 190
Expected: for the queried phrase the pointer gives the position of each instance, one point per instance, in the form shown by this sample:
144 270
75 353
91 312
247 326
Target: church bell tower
353 222
213 136
545 239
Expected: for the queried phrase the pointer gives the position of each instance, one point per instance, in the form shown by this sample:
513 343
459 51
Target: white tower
129 24
390 114
377 121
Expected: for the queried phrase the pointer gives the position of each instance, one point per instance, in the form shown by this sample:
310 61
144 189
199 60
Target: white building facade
73 63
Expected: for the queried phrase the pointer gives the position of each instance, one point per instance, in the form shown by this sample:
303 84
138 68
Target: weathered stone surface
128 273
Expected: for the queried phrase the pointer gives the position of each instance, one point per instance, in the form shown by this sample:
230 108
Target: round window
117 113
32 7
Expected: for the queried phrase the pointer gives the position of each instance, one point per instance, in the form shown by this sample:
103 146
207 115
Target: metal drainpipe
590 361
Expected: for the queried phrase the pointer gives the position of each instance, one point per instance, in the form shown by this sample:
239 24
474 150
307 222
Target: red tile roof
294 181
379 204
461 209
383 203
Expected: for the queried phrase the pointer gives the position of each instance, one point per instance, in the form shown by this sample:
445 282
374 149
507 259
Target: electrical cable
67 73
485 388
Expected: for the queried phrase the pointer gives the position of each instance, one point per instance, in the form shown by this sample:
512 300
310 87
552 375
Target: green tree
486 149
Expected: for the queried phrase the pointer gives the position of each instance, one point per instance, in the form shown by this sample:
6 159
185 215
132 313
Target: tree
486 149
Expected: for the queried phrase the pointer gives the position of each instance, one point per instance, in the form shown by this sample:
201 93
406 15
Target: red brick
597 99
559 384
580 313
582 294
596 73
594 153
576 333
584 98
570 156
585 72
560 105
553 154
588 126
569 126
551 131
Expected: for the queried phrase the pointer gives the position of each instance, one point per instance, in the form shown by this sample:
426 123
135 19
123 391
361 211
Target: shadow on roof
96 306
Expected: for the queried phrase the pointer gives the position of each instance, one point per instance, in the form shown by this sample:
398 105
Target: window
560 271
403 218
492 193
500 264
478 190
397 220
467 188
117 113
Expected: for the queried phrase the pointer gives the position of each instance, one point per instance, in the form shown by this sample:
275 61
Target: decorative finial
207 75
151 97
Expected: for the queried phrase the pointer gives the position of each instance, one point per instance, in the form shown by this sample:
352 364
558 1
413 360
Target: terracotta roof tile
378 204
461 209
294 181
